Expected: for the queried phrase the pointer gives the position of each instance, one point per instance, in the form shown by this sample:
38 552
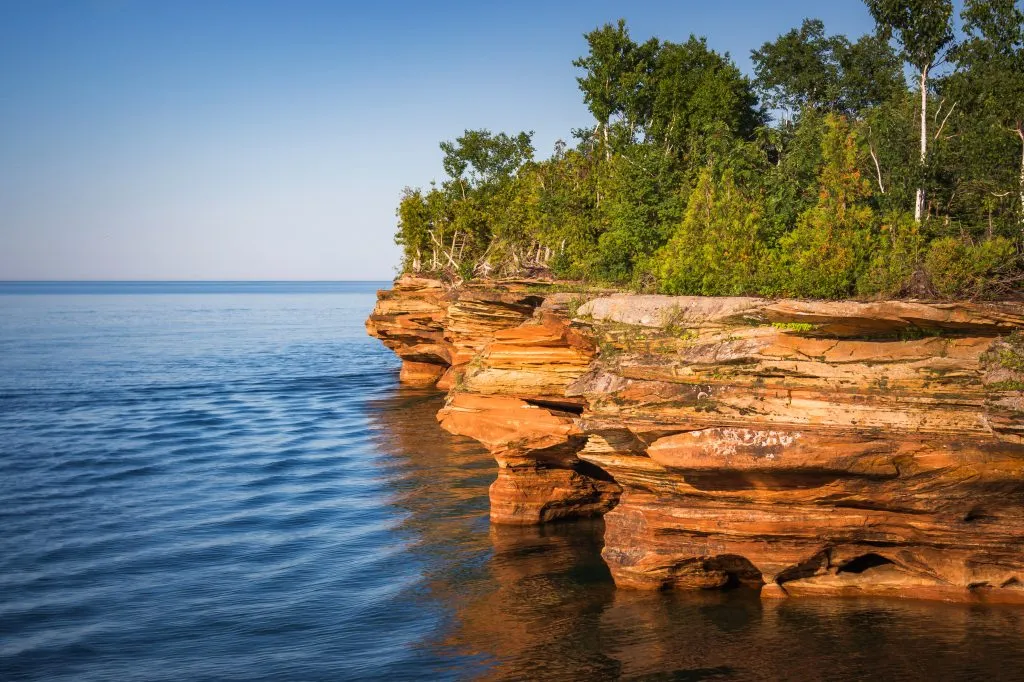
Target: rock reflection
735 635
532 603
540 617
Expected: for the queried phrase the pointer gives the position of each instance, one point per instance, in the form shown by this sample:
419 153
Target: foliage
921 27
990 84
717 250
896 255
824 255
1008 353
488 158
806 68
800 327
681 182
959 269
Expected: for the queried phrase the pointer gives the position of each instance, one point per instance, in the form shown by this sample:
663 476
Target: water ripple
231 486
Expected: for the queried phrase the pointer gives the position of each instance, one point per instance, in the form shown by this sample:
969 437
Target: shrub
960 269
717 250
896 255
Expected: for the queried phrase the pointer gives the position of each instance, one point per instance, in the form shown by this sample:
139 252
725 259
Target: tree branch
939 131
878 169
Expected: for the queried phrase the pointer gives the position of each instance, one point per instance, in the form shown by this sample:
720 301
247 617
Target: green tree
807 68
413 233
896 253
790 183
479 158
695 92
616 70
717 250
826 252
923 29
799 69
644 203
990 79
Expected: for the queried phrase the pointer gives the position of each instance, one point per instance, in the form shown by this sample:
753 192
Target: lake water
225 482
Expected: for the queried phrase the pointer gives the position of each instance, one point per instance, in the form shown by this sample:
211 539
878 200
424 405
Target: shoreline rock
805 448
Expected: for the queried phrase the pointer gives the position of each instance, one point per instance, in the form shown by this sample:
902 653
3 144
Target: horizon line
187 281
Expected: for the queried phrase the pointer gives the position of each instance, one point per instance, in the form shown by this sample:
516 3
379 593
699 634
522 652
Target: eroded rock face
806 448
540 477
410 319
436 329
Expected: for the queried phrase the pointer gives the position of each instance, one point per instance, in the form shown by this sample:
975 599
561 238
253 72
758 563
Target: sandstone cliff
802 448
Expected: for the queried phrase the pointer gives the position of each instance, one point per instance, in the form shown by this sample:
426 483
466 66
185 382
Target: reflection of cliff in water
538 602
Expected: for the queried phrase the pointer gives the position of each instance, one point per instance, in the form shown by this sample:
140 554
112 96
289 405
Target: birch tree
924 32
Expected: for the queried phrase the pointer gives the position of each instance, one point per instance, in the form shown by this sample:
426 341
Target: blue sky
270 140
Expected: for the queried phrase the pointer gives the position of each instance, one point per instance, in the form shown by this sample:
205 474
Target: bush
896 256
717 250
959 269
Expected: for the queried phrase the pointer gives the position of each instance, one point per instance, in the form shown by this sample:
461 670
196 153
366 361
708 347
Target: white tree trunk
1020 209
919 202
878 169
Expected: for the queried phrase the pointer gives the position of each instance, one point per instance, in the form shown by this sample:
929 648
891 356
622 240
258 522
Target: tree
806 68
799 69
684 186
613 85
489 158
871 74
923 29
413 233
696 91
990 74
826 252
644 203
717 250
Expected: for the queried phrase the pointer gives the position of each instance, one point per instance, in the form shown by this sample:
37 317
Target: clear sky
219 139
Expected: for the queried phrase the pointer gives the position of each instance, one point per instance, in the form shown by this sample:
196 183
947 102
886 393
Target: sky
236 140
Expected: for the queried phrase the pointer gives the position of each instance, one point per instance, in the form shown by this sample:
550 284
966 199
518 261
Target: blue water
223 481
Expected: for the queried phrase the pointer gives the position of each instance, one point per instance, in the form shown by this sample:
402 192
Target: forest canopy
886 165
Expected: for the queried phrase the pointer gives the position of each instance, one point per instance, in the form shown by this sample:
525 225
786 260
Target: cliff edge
799 447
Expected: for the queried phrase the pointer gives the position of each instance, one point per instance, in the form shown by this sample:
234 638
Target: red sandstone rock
540 478
536 360
809 448
420 373
426 323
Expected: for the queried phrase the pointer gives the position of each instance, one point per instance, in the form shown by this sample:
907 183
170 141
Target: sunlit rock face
804 448
410 319
437 329
540 476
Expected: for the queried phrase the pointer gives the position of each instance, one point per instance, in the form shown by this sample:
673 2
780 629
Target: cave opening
863 563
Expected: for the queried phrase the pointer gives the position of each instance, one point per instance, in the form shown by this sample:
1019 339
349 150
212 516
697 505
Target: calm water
224 482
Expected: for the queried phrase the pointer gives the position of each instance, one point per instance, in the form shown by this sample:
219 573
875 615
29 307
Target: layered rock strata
803 448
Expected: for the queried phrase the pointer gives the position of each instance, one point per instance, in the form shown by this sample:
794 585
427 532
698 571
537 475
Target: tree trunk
878 169
1020 209
919 203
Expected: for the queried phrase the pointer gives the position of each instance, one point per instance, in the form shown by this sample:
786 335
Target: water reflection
538 603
